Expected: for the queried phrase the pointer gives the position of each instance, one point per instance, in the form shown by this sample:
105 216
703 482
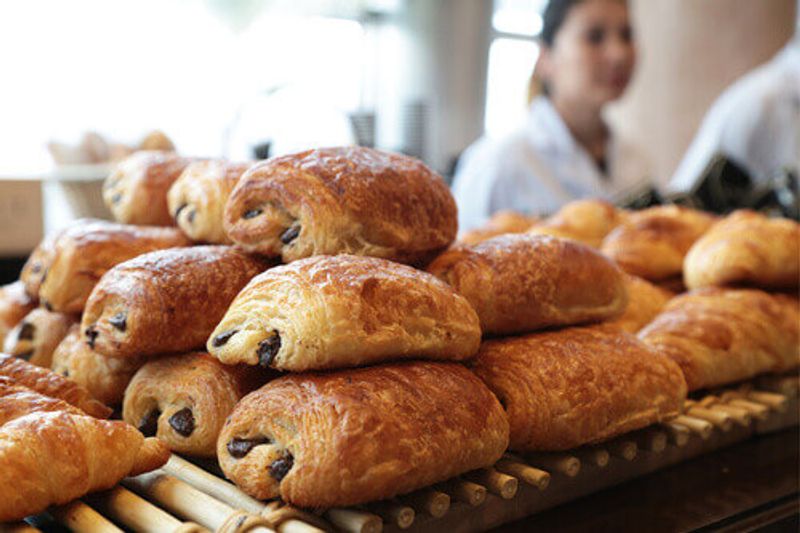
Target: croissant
652 242
166 301
50 384
35 268
586 221
348 437
721 336
18 400
197 199
85 251
581 385
185 399
14 305
505 221
645 302
136 191
746 248
339 311
350 200
51 458
521 283
104 377
37 335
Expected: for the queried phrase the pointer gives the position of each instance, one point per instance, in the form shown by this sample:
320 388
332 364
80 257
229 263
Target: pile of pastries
313 322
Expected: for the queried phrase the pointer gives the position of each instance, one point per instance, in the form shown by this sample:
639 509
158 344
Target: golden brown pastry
581 385
14 305
50 384
746 248
17 400
343 438
35 268
645 302
586 221
521 283
184 400
166 301
136 191
345 310
197 199
506 221
85 251
352 200
51 458
720 336
36 336
104 377
652 242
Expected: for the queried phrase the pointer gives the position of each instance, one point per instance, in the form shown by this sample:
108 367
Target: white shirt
755 123
539 168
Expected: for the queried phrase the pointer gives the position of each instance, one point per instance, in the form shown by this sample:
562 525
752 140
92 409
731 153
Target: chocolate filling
46 304
116 198
148 425
190 216
178 211
290 234
183 422
36 268
91 335
26 331
280 467
26 355
252 213
119 321
238 448
268 349
223 338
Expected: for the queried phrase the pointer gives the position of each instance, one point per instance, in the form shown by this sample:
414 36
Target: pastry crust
14 305
197 199
720 336
18 400
85 251
645 302
36 336
586 221
746 248
521 283
104 377
184 400
502 222
349 437
341 311
350 200
136 191
652 242
582 385
50 384
166 301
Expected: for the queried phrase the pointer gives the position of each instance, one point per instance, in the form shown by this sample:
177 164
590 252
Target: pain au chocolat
502 222
581 385
341 311
521 283
353 436
184 400
197 199
746 249
136 191
15 303
37 335
586 221
82 253
645 302
721 336
350 200
166 301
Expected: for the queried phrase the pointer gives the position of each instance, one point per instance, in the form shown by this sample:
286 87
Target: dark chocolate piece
148 425
91 335
252 213
290 234
183 422
26 331
280 467
268 349
223 338
119 321
238 448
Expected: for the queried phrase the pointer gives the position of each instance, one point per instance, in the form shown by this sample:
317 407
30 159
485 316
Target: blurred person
565 149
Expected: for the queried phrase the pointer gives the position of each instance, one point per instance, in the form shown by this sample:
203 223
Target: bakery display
720 336
166 301
351 200
197 199
586 221
36 336
341 311
563 389
391 428
184 400
746 249
506 221
82 253
15 303
50 384
104 377
645 302
652 243
521 283
136 191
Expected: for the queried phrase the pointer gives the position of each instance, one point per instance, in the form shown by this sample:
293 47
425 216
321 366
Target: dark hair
553 18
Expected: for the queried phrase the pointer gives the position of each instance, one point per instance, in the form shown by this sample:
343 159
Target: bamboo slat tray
183 496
